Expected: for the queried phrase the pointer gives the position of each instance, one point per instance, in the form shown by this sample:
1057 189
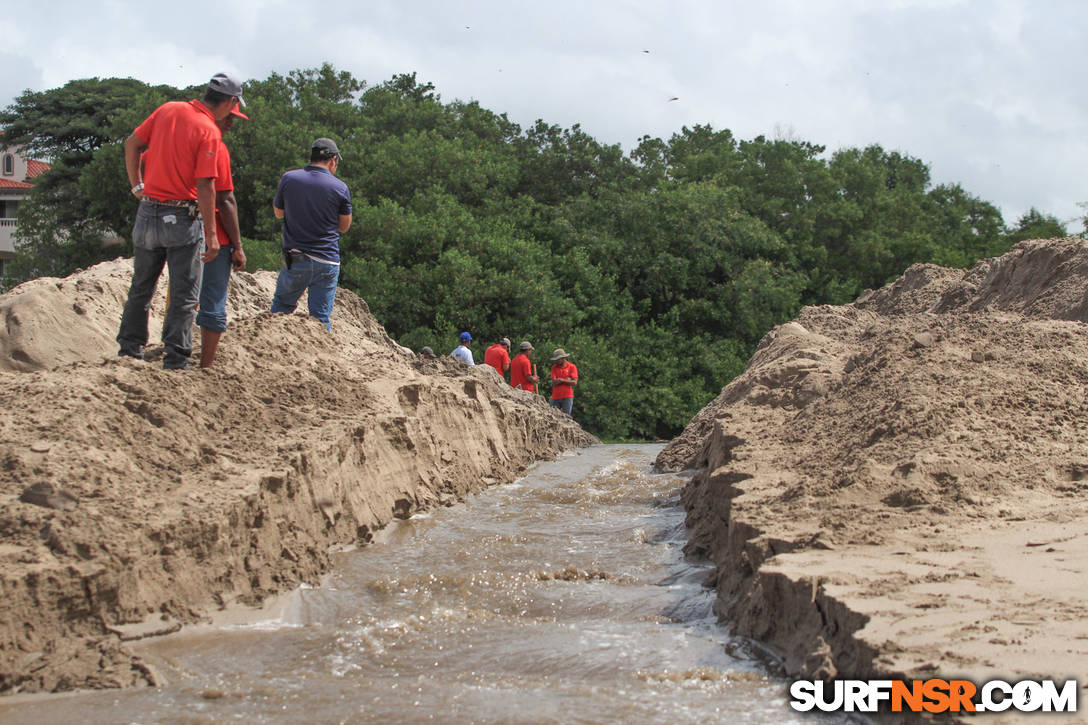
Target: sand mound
897 487
134 500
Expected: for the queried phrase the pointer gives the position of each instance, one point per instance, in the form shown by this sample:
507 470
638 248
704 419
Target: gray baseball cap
228 84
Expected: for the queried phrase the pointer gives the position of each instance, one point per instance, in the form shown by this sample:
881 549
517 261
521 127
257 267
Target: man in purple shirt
316 209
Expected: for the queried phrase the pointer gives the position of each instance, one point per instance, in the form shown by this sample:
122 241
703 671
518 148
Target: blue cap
465 337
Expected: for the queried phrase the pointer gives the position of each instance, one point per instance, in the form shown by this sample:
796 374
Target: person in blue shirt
461 352
315 207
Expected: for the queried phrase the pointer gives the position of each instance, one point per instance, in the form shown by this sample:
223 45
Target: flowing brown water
561 598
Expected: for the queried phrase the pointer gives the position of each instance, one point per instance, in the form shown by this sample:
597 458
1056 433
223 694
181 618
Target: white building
17 174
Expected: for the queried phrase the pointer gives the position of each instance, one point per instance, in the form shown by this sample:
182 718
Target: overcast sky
989 93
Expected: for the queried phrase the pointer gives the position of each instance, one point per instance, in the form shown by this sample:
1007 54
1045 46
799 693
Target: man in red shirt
522 371
211 317
183 145
564 377
498 357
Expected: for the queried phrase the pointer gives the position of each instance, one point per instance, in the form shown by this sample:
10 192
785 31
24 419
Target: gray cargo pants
164 235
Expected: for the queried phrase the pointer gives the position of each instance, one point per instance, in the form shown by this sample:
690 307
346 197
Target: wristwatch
138 188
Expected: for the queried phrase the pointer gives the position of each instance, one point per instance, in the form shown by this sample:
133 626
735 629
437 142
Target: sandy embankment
899 487
192 491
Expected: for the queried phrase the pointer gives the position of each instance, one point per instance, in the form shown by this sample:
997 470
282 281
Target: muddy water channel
563 597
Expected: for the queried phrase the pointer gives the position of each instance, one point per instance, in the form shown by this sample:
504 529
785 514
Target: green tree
1033 224
659 270
968 228
79 212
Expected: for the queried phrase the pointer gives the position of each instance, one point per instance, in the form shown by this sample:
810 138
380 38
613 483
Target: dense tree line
659 269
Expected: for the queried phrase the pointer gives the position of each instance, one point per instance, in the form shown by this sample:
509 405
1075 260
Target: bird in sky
674 98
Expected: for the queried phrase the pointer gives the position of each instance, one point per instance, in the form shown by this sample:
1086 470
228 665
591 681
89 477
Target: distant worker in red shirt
564 377
498 357
176 199
522 371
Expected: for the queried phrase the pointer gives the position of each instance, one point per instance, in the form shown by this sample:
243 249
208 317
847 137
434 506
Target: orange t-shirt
563 390
496 356
224 181
183 146
520 370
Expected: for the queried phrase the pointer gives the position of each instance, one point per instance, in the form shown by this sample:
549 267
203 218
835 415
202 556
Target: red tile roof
8 184
36 168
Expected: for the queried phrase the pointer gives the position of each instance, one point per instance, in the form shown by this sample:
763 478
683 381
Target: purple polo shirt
313 200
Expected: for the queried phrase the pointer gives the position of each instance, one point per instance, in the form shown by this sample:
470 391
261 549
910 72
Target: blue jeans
564 404
316 279
212 314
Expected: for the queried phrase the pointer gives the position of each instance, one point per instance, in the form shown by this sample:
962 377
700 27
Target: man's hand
205 200
211 247
238 259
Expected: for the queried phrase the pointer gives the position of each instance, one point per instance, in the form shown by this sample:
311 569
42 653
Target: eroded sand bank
899 487
184 493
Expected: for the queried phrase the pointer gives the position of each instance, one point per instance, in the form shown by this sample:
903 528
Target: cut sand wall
134 500
899 487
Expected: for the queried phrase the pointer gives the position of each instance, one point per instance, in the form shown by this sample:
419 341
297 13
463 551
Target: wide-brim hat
559 354
526 345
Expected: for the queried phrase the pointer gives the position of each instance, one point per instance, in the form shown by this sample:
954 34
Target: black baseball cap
326 148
